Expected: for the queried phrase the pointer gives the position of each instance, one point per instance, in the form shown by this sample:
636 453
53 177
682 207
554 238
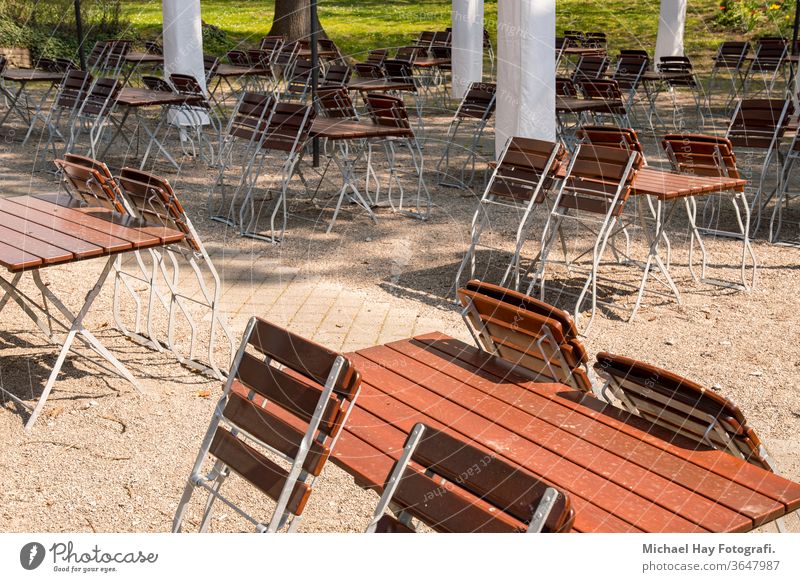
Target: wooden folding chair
198 114
453 487
520 182
616 104
709 155
681 406
730 60
240 147
91 182
629 74
679 73
533 338
767 64
71 94
153 200
757 127
592 196
285 135
590 67
336 76
95 113
298 83
390 112
475 110
287 397
684 408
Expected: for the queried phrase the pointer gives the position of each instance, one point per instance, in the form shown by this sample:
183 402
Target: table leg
347 167
153 140
653 256
13 101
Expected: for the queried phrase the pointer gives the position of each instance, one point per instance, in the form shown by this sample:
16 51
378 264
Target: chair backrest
102 97
336 103
398 71
759 123
425 39
701 155
389 111
590 67
272 44
770 53
526 170
606 89
407 53
250 119
478 102
153 199
369 70
599 179
631 65
731 54
377 56
259 58
537 340
595 39
74 89
210 64
154 48
287 54
156 83
91 181
289 128
326 45
682 406
186 85
284 392
300 78
442 37
455 487
675 65
565 87
336 76
238 58
604 135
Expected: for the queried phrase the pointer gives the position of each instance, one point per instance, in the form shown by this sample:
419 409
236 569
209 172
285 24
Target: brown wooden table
226 72
22 78
622 473
378 85
346 156
132 100
431 62
139 58
42 231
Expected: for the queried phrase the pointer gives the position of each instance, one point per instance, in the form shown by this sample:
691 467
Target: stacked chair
498 498
731 61
708 155
151 198
95 113
765 68
592 196
534 339
196 114
681 75
521 181
757 128
475 111
287 398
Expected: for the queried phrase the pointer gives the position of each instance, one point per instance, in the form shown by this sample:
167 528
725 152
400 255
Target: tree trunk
292 19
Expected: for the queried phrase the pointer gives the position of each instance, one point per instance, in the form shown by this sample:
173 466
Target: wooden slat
263 473
48 252
754 478
15 259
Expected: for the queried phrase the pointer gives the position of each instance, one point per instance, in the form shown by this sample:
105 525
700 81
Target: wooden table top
576 105
227 70
361 84
141 97
31 75
620 472
667 185
38 231
334 128
427 62
583 50
136 57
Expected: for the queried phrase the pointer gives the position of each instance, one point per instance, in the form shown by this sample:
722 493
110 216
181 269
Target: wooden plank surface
31 75
140 97
38 232
379 85
334 128
622 473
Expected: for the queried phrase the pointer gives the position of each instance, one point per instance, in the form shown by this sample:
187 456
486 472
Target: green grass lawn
358 25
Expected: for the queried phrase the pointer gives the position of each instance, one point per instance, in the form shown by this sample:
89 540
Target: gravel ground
104 458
